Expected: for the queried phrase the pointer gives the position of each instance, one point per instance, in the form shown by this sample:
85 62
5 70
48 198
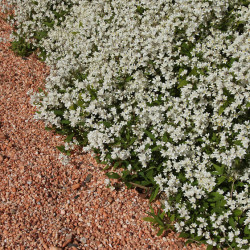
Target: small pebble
69 236
76 186
110 199
88 178
80 230
73 246
12 211
77 196
2 136
66 243
68 239
55 248
83 240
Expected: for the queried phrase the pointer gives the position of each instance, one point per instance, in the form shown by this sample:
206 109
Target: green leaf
241 221
129 185
216 196
150 135
140 10
221 179
69 137
125 173
159 221
219 169
199 139
162 215
172 217
61 149
149 175
178 197
198 238
108 156
194 71
116 165
40 34
160 232
151 62
232 223
132 141
145 183
156 148
209 247
237 212
113 175
49 24
182 83
40 90
154 194
165 138
183 235
246 230
238 143
150 219
215 138
107 167
58 112
72 107
65 121
159 167
239 184
48 128
151 209
128 78
180 71
147 146
107 124
181 177
221 109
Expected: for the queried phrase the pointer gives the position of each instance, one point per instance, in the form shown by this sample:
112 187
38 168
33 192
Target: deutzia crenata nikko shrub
161 90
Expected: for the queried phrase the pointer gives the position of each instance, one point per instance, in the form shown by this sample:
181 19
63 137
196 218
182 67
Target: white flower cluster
168 64
35 16
64 159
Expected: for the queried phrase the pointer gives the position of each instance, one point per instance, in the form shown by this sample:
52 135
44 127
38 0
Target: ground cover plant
158 90
32 21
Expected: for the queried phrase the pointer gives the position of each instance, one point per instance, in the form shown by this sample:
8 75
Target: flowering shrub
33 20
159 89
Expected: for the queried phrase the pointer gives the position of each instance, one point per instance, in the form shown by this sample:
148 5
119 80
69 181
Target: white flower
64 159
129 167
230 236
107 182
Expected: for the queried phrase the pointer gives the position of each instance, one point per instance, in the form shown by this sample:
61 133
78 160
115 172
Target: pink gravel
43 204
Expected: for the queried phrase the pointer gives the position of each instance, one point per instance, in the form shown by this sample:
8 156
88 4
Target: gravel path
43 204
